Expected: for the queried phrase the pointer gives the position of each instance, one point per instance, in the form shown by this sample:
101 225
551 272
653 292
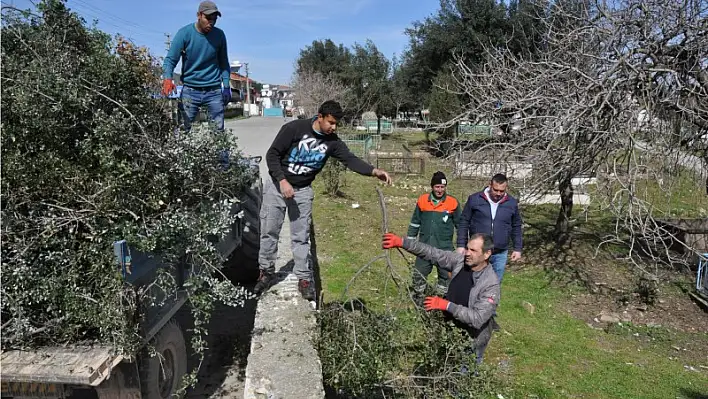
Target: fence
473 130
372 126
401 165
702 276
470 165
361 144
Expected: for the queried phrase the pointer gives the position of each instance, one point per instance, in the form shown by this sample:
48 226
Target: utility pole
173 104
168 43
248 90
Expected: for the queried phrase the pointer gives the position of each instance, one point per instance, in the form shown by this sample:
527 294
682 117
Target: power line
120 20
127 31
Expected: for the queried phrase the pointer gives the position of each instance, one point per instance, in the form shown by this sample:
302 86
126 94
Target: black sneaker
306 289
264 282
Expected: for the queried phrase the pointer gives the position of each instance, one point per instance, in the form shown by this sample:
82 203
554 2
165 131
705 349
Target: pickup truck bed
75 365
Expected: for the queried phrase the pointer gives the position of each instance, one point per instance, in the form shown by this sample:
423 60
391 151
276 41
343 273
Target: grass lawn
549 353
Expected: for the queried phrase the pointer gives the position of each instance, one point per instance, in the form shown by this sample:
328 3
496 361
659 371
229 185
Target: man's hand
391 240
515 256
461 250
286 189
435 303
168 86
226 95
382 175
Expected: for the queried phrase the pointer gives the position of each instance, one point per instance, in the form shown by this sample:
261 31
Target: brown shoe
264 282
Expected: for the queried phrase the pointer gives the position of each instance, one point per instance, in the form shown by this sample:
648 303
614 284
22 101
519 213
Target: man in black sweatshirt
297 155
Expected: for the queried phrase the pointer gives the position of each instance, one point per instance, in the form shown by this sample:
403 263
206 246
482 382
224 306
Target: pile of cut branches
89 157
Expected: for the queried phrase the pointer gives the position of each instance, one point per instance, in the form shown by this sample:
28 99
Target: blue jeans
192 99
498 262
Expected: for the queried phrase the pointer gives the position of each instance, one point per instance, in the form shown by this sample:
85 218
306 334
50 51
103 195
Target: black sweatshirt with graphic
299 153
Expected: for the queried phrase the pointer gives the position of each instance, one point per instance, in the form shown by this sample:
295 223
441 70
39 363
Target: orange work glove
168 86
435 303
391 240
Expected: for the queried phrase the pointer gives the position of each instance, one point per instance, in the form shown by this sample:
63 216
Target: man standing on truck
205 67
473 294
298 153
434 221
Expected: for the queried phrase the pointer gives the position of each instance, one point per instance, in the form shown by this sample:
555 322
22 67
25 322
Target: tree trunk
565 188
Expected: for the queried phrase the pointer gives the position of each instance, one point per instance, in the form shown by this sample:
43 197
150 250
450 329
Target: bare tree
314 88
620 84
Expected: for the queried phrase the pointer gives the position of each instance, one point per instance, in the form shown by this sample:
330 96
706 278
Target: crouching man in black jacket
473 294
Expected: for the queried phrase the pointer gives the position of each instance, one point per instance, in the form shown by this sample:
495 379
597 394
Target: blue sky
268 34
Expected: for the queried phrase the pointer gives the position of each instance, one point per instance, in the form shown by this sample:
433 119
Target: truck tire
242 265
251 240
161 375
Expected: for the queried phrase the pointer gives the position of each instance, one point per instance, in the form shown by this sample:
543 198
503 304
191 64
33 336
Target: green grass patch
554 355
680 196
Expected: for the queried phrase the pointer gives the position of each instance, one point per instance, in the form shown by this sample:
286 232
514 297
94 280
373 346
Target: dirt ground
675 310
610 296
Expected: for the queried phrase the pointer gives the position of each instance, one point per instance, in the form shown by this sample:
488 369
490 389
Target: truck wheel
161 375
251 240
243 263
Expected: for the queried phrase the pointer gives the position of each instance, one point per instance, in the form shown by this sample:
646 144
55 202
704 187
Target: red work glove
391 240
168 86
435 303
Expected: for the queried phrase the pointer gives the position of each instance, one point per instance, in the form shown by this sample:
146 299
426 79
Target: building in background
286 96
239 86
277 96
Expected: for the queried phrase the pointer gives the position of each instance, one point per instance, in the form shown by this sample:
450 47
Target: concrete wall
518 172
551 198
512 170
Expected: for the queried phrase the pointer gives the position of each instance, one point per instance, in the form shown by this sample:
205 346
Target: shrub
397 354
333 175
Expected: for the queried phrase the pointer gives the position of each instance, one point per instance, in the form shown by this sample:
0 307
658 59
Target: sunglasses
210 17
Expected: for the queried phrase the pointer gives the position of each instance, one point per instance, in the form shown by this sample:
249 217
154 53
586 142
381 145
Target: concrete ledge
553 198
283 362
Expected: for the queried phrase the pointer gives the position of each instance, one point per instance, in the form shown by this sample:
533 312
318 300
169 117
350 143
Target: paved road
255 135
222 375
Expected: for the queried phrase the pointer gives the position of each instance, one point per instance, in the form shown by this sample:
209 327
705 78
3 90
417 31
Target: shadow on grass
339 195
691 394
572 263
